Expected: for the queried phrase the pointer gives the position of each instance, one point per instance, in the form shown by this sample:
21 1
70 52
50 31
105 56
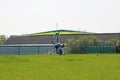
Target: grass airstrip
55 67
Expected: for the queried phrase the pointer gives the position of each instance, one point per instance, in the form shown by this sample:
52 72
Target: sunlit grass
55 67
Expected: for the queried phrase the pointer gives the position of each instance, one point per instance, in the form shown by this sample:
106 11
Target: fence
25 49
100 49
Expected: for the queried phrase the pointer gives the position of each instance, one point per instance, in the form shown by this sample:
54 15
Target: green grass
55 67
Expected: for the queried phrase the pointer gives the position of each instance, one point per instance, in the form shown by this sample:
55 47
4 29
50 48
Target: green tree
72 46
77 46
118 46
81 43
2 39
112 42
94 41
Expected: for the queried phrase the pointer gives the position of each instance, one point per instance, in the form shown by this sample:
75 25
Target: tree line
77 46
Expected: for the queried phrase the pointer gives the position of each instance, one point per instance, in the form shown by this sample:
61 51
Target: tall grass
55 67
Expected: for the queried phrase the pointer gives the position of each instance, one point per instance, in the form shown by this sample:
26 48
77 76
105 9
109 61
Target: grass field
55 67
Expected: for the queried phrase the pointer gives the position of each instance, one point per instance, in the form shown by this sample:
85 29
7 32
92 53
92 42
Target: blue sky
30 16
